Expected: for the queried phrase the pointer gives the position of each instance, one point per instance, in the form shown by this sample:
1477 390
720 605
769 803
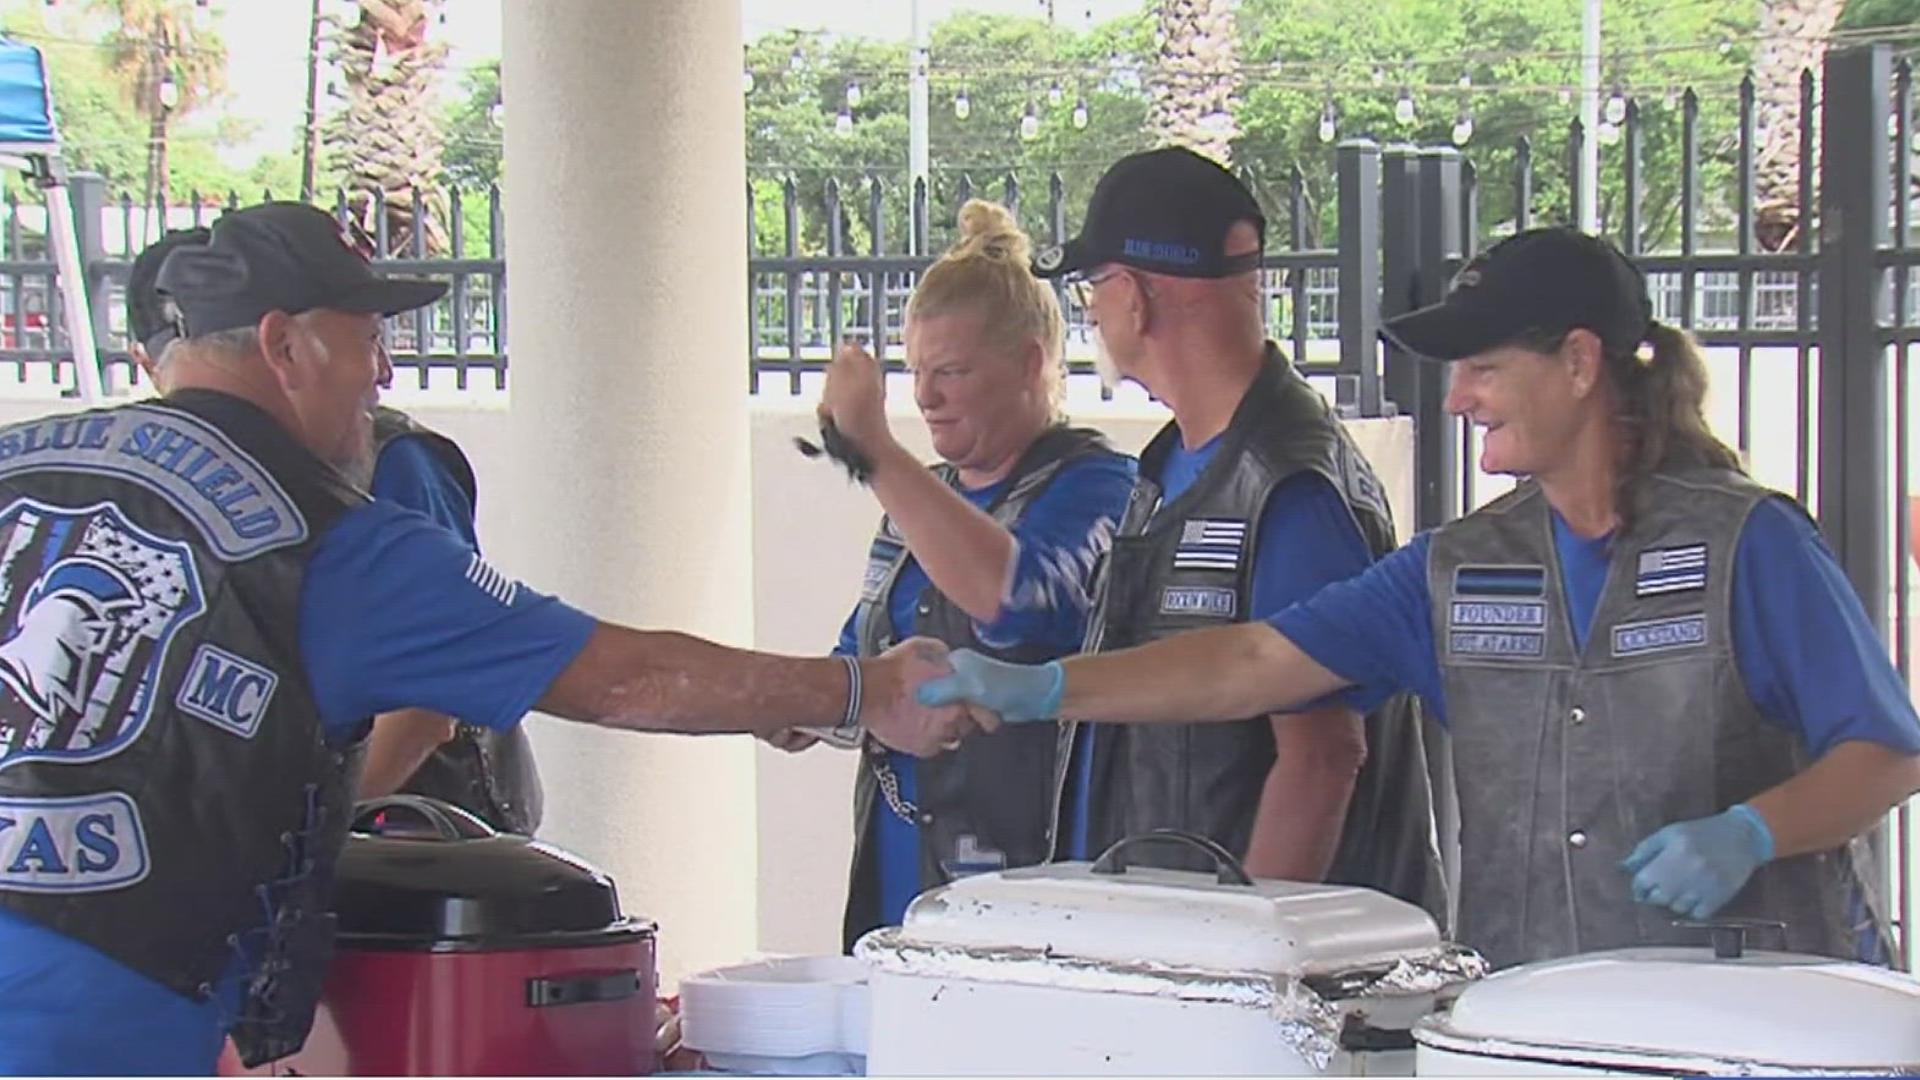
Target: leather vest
167 793
1568 758
489 773
1189 564
983 806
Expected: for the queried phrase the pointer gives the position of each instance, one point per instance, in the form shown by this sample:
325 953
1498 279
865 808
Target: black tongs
837 446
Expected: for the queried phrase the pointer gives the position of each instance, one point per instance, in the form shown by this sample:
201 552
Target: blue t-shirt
408 473
394 612
1307 538
1801 641
1062 534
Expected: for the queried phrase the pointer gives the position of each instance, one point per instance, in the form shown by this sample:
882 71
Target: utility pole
1590 116
309 145
918 62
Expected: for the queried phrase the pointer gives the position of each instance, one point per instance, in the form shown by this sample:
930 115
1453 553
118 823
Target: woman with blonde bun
992 548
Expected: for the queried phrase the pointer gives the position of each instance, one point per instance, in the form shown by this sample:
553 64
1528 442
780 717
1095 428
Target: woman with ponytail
993 548
1664 699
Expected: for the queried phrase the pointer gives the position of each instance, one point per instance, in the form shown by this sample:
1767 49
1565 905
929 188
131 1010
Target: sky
267 41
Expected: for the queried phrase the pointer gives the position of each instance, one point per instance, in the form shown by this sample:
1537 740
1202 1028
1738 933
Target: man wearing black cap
1664 698
1252 498
198 613
486 772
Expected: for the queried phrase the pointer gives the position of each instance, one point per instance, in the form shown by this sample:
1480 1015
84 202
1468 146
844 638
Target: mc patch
1660 635
1500 581
1671 570
230 692
1503 643
84 843
89 606
1205 601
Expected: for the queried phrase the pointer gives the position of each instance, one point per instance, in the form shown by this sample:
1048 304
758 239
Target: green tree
1519 57
170 63
472 138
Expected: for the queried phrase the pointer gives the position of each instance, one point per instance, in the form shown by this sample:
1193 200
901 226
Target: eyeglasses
1080 288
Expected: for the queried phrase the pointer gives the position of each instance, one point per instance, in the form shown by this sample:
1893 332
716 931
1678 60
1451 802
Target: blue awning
26 104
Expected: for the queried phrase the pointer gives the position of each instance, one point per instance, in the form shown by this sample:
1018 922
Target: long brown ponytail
1663 411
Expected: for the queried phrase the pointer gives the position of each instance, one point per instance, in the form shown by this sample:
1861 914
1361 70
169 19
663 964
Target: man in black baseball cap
1165 211
1252 498
228 612
1541 282
150 325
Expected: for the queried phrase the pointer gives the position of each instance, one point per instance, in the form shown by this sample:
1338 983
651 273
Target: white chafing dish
1078 968
1674 1011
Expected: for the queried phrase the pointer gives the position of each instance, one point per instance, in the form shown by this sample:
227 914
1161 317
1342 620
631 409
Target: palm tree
1793 38
387 138
171 63
1195 77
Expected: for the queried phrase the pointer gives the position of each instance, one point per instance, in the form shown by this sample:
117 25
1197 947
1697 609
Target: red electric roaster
464 951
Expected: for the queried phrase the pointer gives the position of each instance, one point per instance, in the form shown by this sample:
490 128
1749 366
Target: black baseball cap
1164 211
281 256
1549 281
148 321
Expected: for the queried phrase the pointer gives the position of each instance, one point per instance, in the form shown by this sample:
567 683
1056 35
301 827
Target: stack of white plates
797 1016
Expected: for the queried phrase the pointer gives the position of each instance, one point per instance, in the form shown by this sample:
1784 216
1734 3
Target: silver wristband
850 724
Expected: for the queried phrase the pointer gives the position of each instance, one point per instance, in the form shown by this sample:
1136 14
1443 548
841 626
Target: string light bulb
1329 123
1616 110
853 93
1463 128
1030 123
843 123
1403 110
1055 94
962 105
1081 116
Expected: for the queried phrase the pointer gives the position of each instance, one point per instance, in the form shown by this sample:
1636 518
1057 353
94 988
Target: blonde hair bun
989 229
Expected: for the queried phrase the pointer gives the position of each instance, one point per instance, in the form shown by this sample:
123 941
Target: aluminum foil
1309 1020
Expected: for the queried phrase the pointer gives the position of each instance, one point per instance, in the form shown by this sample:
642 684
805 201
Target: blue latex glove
1694 867
1018 692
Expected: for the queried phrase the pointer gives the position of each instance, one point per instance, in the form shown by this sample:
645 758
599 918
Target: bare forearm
1837 798
968 555
668 681
401 741
1235 671
1303 805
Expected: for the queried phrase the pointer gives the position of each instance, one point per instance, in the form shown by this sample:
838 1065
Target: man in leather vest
198 614
1252 498
1665 700
488 773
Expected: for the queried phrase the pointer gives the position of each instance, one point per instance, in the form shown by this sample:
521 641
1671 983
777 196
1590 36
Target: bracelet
852 720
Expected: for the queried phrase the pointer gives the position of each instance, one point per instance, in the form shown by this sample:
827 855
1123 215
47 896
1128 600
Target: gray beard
1103 364
357 468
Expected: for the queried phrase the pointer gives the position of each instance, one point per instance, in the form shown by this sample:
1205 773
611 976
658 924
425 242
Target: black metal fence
465 332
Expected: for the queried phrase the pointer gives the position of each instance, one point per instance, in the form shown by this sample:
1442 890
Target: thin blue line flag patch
1671 570
1500 581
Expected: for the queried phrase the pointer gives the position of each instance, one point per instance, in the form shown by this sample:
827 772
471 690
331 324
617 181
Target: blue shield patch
89 606
1660 635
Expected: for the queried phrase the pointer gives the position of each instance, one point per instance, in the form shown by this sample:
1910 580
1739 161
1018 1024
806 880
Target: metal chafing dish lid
1686 1010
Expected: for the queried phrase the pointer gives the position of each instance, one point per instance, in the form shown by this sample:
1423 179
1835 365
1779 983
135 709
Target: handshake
922 699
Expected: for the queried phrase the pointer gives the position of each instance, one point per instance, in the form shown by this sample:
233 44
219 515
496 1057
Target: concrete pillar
630 449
